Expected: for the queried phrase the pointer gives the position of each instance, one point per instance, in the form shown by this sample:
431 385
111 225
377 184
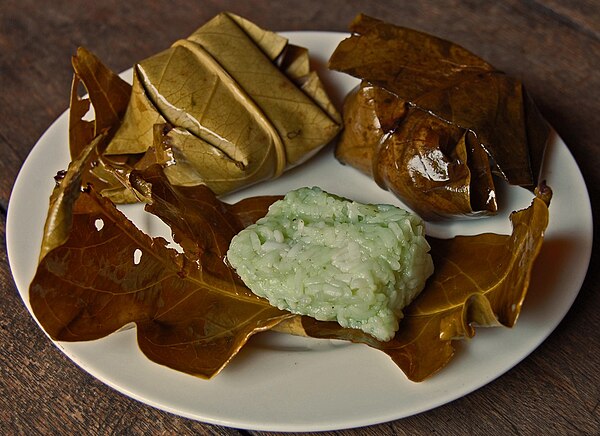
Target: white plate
283 383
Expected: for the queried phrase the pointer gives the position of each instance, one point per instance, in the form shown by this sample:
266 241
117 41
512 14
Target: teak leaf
191 312
466 112
68 186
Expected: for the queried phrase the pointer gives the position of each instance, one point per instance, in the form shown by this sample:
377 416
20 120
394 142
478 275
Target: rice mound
334 259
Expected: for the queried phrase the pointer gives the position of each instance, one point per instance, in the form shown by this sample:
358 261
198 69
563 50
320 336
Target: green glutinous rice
324 256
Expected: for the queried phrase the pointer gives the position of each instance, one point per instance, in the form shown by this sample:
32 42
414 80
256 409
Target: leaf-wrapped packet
432 122
241 105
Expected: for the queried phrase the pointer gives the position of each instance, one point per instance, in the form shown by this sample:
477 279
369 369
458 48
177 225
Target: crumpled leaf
107 92
191 311
68 184
428 116
479 280
108 96
243 105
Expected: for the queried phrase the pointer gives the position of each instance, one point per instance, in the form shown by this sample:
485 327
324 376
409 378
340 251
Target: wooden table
553 46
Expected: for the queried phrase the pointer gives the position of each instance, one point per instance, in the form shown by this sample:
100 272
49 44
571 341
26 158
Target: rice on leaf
334 259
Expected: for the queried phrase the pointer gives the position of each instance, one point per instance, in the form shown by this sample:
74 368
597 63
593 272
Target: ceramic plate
284 383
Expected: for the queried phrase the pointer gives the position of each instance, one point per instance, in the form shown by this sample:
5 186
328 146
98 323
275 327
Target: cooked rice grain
324 256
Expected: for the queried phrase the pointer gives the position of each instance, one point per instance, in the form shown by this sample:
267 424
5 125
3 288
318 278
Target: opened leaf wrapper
432 122
192 313
190 310
240 103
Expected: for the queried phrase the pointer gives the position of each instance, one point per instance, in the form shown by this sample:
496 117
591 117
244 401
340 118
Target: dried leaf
192 313
237 117
68 186
108 94
445 86
98 272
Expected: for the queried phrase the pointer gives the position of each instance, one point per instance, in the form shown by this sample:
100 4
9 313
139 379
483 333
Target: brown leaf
108 94
98 272
435 167
445 85
68 186
192 313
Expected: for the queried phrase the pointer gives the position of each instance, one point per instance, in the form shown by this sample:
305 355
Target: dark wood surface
553 46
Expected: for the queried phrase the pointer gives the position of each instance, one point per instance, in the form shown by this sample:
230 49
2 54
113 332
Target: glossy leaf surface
191 312
435 114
